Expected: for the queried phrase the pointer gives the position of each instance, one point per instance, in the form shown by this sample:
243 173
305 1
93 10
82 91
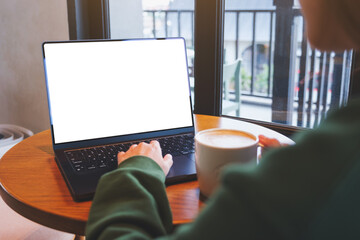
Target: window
264 89
282 80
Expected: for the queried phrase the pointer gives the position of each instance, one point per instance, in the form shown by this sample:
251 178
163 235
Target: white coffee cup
216 148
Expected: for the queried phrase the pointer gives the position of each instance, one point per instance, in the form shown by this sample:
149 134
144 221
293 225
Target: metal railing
319 80
165 15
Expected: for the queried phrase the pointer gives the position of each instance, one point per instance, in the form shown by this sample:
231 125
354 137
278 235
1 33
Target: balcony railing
317 81
160 25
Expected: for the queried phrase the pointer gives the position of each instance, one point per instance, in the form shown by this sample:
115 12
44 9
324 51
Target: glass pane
275 76
154 19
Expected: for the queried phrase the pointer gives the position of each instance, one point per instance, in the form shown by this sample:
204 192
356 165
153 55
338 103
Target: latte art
226 139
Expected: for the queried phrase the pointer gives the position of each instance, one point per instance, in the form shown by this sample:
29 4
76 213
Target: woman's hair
332 25
348 14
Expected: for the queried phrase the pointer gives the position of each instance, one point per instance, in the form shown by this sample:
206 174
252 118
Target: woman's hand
267 142
152 151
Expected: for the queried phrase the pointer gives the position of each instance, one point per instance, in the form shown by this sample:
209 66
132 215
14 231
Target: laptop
105 95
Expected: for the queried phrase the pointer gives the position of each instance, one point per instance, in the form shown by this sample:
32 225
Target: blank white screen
110 88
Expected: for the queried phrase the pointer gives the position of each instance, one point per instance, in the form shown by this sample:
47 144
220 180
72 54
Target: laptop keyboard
102 157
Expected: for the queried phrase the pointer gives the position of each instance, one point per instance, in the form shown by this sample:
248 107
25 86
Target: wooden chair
231 101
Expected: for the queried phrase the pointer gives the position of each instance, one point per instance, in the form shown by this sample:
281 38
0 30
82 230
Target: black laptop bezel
123 138
120 139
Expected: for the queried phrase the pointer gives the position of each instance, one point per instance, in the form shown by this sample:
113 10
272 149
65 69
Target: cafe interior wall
24 25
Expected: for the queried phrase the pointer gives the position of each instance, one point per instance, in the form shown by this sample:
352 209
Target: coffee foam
223 138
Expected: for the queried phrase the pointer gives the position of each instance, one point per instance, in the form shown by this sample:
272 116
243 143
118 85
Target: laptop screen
118 87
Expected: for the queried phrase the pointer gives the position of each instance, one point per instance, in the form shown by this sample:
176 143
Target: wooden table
32 185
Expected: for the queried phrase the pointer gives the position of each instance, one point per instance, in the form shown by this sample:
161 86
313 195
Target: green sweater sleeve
287 196
292 191
130 203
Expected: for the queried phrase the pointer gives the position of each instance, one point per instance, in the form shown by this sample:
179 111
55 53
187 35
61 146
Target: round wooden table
32 185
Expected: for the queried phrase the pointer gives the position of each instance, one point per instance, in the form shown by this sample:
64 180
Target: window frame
354 88
208 63
88 19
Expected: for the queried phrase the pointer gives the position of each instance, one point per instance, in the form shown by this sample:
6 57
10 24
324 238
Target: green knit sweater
307 191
